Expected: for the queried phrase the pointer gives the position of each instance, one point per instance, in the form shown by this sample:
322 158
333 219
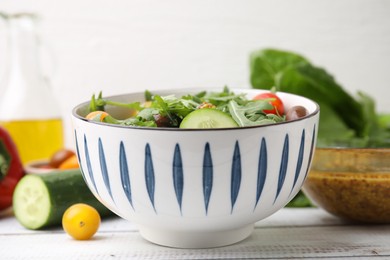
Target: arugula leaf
180 106
136 122
147 114
251 113
165 110
148 95
98 104
170 110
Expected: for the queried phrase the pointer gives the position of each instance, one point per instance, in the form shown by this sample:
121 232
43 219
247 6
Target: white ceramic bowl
196 188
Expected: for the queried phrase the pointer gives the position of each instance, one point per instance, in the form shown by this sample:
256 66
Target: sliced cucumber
39 201
208 118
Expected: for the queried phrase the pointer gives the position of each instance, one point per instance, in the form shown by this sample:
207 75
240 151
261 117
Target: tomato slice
276 102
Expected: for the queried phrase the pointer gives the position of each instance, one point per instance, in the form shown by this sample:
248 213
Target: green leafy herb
99 104
251 113
171 110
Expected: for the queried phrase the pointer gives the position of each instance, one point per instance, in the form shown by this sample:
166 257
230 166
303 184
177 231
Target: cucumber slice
32 202
39 201
207 118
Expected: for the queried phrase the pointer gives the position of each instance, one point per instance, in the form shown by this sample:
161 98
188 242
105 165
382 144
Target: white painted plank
284 217
265 243
290 233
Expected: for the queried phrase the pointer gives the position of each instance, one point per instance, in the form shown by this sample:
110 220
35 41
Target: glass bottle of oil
28 108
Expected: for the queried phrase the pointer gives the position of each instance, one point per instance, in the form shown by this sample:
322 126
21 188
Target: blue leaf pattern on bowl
149 175
207 175
89 166
178 180
77 148
125 176
207 168
78 156
283 166
236 175
261 170
311 151
103 168
300 159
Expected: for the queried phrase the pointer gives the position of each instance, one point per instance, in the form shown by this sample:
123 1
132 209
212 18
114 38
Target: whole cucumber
40 200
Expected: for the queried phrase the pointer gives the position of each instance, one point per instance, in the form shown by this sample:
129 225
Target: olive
296 112
165 121
59 157
162 121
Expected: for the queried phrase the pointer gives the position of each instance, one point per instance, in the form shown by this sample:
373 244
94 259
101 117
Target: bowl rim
354 149
32 167
195 90
355 161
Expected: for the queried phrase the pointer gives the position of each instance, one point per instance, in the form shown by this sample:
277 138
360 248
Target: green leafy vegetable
345 120
300 201
99 104
169 111
251 113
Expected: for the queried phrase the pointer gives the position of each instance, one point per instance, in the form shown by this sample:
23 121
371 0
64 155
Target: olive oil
36 139
28 107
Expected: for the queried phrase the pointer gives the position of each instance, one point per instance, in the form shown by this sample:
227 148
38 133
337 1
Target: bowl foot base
194 239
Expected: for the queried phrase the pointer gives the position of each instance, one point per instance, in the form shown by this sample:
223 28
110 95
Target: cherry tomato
70 163
81 221
276 103
59 157
97 116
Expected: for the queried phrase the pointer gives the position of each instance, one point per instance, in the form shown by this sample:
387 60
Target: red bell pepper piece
11 168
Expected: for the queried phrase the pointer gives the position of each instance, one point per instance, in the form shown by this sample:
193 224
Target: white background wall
130 45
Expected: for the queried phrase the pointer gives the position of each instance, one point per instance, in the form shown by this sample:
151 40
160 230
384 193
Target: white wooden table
308 233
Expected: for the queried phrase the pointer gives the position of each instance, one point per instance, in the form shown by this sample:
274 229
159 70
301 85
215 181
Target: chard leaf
384 121
332 130
292 73
266 64
315 83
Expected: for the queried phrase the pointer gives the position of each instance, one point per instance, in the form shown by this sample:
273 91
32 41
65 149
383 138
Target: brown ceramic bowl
351 183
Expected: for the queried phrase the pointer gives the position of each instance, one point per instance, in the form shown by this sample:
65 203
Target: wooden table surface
291 233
